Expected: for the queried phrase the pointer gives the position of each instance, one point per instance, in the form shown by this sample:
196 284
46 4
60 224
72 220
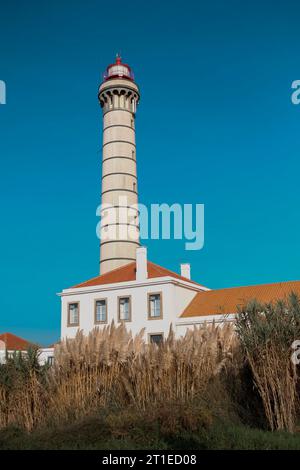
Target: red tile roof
225 301
128 273
14 343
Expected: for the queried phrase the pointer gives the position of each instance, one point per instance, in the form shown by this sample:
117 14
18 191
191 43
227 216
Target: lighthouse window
133 154
134 186
100 311
73 314
124 309
154 306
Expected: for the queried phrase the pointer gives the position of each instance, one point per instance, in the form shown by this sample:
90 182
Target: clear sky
215 125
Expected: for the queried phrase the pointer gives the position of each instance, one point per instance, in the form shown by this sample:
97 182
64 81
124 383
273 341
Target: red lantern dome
118 70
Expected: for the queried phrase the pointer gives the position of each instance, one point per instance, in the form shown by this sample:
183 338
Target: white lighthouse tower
118 97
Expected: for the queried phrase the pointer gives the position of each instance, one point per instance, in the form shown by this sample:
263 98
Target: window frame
73 325
50 361
160 333
161 305
119 305
102 322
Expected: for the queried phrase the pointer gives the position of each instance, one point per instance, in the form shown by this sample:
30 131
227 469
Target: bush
266 333
22 390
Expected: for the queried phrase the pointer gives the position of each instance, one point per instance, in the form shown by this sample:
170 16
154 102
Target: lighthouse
118 96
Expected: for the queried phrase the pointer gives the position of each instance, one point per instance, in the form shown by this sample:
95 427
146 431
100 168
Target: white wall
183 324
183 297
44 354
175 298
2 352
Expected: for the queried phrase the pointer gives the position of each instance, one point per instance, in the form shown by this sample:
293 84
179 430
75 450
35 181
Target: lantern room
118 70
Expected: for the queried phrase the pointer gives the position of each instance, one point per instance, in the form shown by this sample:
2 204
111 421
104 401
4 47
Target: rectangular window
100 311
154 306
124 309
50 360
156 338
73 314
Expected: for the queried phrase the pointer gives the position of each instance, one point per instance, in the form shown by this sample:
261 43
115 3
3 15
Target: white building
141 293
11 344
145 295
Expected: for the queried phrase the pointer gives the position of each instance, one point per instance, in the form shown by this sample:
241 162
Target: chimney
141 264
185 270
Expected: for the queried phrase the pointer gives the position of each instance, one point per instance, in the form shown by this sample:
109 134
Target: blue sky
215 120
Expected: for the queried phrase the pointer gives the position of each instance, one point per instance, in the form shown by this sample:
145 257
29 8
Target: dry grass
24 404
111 368
266 333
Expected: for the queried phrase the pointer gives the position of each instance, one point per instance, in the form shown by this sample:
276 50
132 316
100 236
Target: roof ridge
101 275
127 273
7 333
161 268
174 272
229 298
8 337
252 285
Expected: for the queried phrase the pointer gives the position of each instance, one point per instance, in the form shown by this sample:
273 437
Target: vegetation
266 335
218 387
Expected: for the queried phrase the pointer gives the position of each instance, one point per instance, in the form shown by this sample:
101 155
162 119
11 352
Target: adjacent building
11 344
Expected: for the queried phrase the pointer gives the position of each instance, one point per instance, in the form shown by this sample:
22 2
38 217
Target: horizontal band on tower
118 109
120 156
118 87
120 241
114 259
120 223
119 189
119 173
119 125
118 142
117 207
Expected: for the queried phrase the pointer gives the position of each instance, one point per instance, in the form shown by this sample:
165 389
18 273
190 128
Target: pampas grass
266 333
109 367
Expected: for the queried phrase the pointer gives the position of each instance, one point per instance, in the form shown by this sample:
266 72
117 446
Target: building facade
141 294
